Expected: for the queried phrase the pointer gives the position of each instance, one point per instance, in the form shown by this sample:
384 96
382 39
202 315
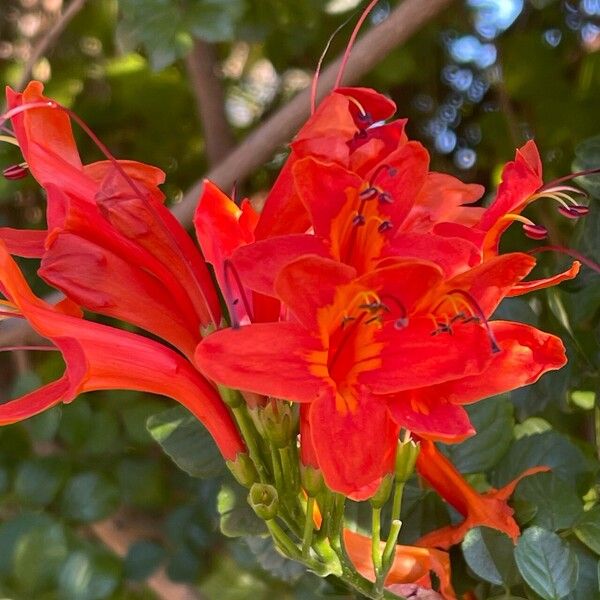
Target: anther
384 226
15 172
574 211
365 119
391 171
535 232
385 198
368 193
358 220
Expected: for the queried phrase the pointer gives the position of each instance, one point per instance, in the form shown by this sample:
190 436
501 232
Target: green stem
282 539
388 554
597 427
249 434
291 471
277 473
308 527
376 541
397 502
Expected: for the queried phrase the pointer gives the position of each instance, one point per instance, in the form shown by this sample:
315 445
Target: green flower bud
312 480
383 493
243 469
406 458
264 500
278 422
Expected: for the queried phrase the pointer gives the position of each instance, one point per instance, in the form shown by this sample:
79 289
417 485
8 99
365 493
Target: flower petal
432 417
355 441
275 359
524 287
413 355
27 243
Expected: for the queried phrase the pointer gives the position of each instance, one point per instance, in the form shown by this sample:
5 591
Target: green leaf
531 426
237 517
38 556
493 420
43 427
38 480
103 437
143 558
550 449
557 505
213 20
12 531
490 555
588 529
547 563
88 575
272 561
187 442
136 416
588 583
89 497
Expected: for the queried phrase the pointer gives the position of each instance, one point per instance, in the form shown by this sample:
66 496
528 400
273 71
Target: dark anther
368 193
384 226
472 319
373 319
458 317
365 119
401 323
235 302
391 171
385 198
573 212
374 306
15 172
535 232
358 220
347 319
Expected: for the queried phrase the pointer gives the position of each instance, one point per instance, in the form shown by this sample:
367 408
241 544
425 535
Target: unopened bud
406 458
312 480
15 172
277 420
231 397
382 495
243 469
264 500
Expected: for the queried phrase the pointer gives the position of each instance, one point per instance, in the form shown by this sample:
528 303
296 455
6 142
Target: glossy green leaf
557 505
547 563
187 442
490 555
143 558
272 561
493 421
587 529
237 517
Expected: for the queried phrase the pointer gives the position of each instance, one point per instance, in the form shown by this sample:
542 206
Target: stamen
369 193
9 139
391 171
480 316
384 226
358 220
15 172
554 182
402 321
574 212
385 198
229 269
37 348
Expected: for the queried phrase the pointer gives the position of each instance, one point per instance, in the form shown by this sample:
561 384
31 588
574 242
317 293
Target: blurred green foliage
120 66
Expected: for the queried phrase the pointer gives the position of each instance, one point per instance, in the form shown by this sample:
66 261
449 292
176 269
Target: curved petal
310 282
355 441
103 282
28 243
431 417
260 263
526 353
524 287
100 357
274 359
412 356
411 563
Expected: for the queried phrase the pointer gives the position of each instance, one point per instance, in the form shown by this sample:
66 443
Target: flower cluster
355 325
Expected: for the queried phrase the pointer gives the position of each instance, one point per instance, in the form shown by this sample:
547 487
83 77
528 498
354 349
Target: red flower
488 510
111 244
361 352
411 564
99 357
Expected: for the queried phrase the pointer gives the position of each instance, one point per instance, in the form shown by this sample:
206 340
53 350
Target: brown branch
260 145
201 64
49 39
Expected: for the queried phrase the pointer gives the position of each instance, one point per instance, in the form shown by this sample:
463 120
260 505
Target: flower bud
406 458
383 493
312 480
264 500
277 419
243 469
231 397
